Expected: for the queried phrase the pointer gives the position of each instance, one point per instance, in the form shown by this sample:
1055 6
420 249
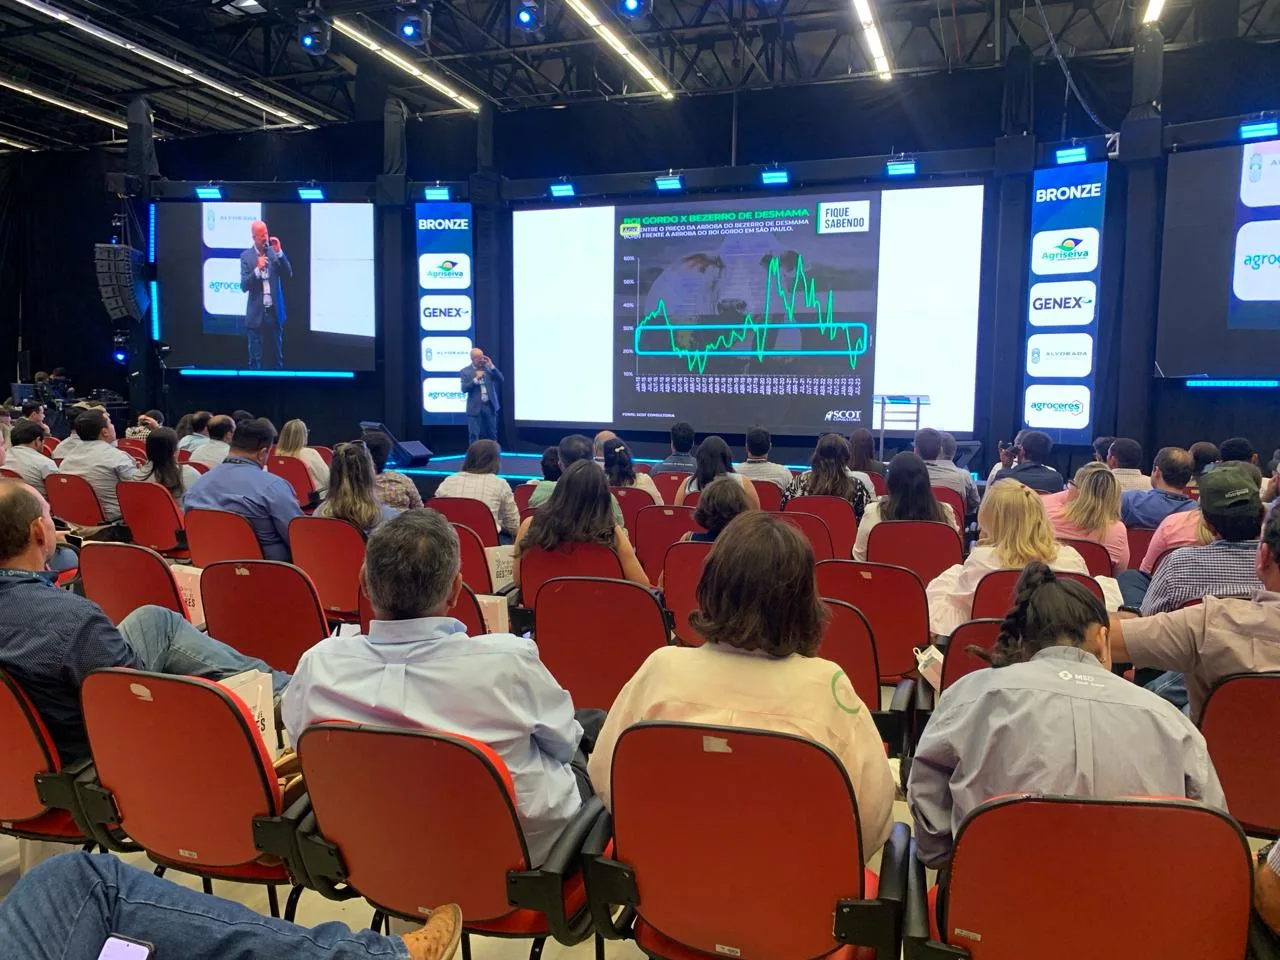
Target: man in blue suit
480 380
261 267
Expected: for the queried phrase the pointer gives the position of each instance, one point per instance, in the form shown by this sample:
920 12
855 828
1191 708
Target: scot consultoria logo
843 416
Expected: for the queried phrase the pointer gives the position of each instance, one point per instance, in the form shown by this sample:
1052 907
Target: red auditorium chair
199 467
994 595
468 512
923 546
814 530
523 494
264 609
591 670
631 500
463 843
668 484
50 444
217 535
133 447
1139 541
1095 555
475 563
692 859
73 500
1161 559
184 456
527 512
691 498
181 766
849 642
121 577
537 566
331 551
878 483
1184 868
326 454
657 528
10 474
1240 707
953 500
958 659
837 513
894 603
770 495
681 571
643 467
293 471
153 518
467 609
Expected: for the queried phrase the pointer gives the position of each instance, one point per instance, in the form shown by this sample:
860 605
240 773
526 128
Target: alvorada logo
1073 407
1255 167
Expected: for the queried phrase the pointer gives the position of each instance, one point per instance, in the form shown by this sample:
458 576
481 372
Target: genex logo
1078 191
445 312
1066 303
843 416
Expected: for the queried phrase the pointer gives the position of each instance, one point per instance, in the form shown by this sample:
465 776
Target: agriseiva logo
444 271
1065 251
843 416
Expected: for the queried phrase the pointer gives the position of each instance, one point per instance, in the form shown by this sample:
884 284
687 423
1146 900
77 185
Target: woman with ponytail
1050 718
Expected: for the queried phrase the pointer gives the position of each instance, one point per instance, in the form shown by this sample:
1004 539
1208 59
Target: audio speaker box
121 281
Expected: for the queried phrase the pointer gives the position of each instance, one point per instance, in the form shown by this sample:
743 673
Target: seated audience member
1015 531
1125 461
715 459
937 450
6 425
550 464
417 668
757 467
910 497
393 489
598 444
215 451
829 475
759 610
24 456
1183 529
578 511
479 480
240 416
862 453
1049 718
198 431
68 445
681 460
1102 448
108 898
1239 452
1226 567
146 422
1206 456
33 410
1201 645
241 484
352 494
51 639
1170 474
183 427
293 443
162 465
1089 509
720 502
1031 469
1008 456
571 450
98 460
621 470
1266 904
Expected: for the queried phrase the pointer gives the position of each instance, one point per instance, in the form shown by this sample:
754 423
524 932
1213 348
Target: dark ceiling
695 46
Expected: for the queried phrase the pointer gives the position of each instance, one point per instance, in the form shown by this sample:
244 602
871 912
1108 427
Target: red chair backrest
132 446
537 566
121 577
1139 541
1099 845
366 612
26 749
994 595
326 454
464 837
681 571
814 530
631 500
658 528
1163 557
926 547
184 456
475 563
691 498
770 495
73 500
216 535
523 494
953 500
1238 708
643 467
689 857
295 473
151 514
893 601
847 642
10 474
184 761
199 467
958 660
878 484
668 483
331 551
469 513
1095 555
467 609
527 512
50 444
264 609
594 672
837 513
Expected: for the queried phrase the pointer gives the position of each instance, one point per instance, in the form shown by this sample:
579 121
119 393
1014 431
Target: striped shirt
1223 568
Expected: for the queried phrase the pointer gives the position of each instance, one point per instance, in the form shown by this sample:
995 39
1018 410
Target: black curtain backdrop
53 206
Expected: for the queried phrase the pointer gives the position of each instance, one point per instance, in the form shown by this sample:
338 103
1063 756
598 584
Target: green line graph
855 334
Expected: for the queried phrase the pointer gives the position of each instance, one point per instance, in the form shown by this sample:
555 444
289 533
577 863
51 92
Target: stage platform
515 466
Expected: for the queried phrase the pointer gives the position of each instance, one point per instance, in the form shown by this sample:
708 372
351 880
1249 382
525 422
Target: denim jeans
67 907
167 643
1133 586
1171 686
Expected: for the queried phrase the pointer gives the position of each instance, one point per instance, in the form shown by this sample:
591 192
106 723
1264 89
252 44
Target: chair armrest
509 590
98 813
916 941
895 724
610 883
543 888
278 837
878 923
894 861
321 861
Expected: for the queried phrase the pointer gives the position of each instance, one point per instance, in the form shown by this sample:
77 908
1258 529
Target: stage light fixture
210 192
349 30
633 9
875 46
1259 130
1071 155
671 181
315 37
120 348
562 190
16 144
528 16
774 178
435 193
1154 9
311 193
37 94
583 12
414 26
1248 384
900 168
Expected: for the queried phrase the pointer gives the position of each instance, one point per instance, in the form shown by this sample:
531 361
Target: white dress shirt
186 473
32 465
103 466
757 470
66 446
490 489
1131 479
210 454
191 441
428 673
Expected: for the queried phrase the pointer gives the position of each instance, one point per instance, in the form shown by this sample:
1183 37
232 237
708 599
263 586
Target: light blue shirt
428 673
103 466
192 440
243 487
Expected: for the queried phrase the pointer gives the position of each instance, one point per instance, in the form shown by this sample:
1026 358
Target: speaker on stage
121 281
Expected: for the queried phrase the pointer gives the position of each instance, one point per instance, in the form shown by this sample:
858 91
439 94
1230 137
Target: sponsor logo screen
446 311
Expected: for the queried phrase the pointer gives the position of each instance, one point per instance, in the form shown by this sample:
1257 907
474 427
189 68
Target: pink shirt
1116 541
1175 530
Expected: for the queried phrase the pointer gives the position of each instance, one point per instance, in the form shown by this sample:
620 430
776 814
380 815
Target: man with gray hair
932 447
417 668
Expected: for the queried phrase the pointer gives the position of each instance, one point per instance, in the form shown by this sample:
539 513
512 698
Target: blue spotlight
529 17
1260 130
310 193
632 9
670 182
435 193
1071 155
774 178
562 190
210 192
900 168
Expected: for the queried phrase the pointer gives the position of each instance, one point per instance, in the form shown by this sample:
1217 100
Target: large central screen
793 312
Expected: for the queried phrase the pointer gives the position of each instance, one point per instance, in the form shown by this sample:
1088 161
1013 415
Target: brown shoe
439 939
